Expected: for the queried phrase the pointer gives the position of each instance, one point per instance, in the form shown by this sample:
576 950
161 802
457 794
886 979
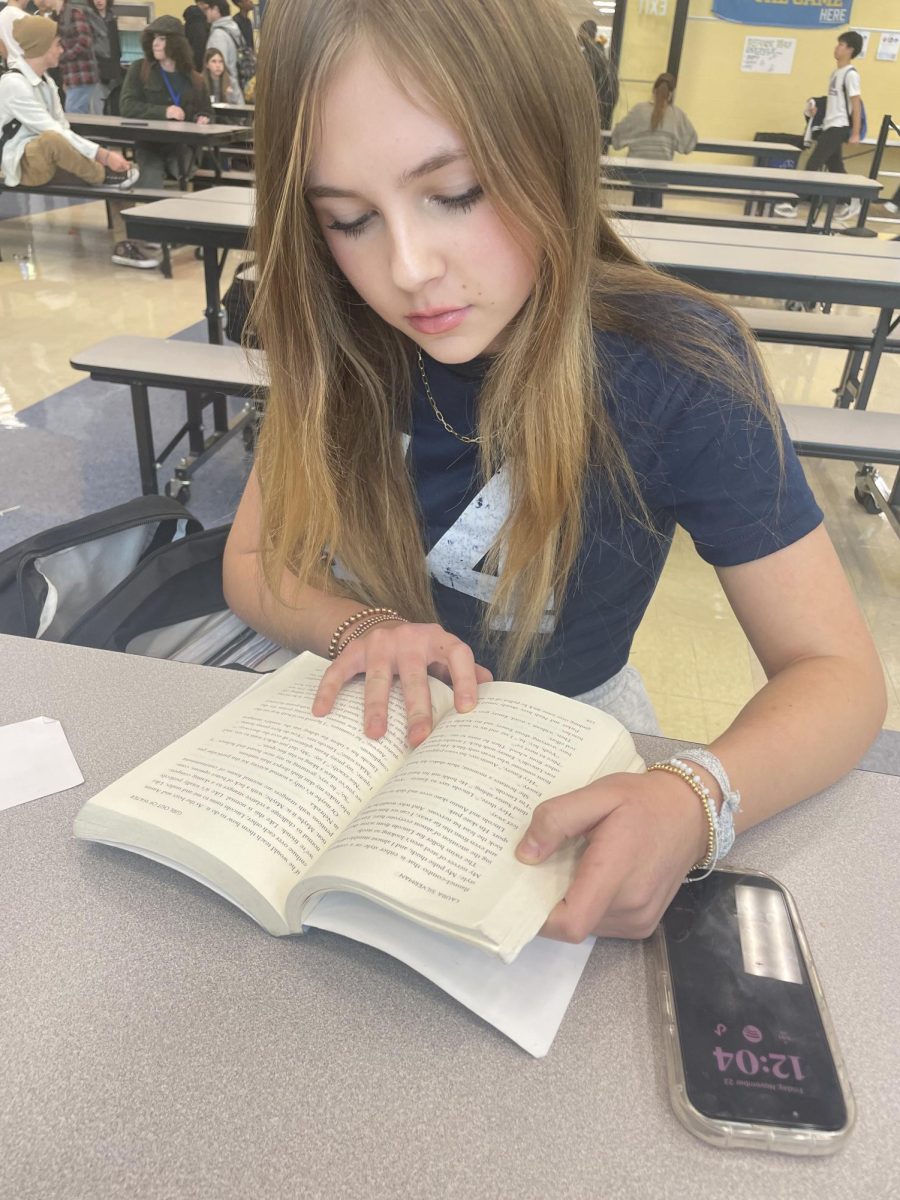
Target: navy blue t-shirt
703 460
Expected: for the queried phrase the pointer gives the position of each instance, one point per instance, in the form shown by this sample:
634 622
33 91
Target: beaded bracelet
731 797
702 792
344 625
365 626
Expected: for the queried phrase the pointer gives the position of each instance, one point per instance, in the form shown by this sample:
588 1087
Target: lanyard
176 100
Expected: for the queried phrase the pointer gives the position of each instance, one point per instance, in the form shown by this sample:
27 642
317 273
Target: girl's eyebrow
442 159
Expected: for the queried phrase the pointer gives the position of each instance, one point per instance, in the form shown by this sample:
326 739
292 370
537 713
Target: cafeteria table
156 1043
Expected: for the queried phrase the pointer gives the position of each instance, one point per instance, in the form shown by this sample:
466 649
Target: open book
273 807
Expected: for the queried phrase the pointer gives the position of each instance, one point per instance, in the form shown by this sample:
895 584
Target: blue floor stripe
74 454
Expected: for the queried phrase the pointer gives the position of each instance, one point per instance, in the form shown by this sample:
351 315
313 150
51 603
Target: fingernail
418 733
466 703
529 849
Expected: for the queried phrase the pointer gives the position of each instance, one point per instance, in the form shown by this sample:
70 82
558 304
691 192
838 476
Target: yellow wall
174 8
724 101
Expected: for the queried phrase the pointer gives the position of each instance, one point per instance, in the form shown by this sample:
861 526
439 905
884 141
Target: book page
526 1000
440 835
261 787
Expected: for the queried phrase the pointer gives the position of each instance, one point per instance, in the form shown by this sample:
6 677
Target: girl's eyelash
462 203
353 228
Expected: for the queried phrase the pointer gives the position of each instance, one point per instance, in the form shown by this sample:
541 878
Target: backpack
142 578
863 120
12 126
246 59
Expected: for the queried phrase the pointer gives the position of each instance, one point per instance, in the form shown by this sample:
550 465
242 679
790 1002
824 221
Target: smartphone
751 1054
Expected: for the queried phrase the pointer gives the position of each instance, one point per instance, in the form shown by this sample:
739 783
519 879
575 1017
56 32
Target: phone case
739 1135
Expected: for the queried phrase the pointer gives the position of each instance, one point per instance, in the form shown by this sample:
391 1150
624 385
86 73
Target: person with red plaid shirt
80 73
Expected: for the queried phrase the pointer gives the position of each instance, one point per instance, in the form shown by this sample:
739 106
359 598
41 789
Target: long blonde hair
330 461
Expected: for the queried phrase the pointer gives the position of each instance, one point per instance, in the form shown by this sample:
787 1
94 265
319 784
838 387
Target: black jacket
111 67
196 30
606 82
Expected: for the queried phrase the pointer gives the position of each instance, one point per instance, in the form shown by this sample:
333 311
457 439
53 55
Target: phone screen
752 1041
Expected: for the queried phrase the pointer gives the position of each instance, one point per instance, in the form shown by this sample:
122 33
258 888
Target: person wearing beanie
161 86
9 47
37 143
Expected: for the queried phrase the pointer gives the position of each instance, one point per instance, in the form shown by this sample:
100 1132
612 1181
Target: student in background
225 36
44 146
842 123
504 414
9 47
218 82
80 73
162 86
109 57
655 129
245 19
196 30
603 73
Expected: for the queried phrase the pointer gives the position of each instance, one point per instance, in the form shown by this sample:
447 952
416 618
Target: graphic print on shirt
454 558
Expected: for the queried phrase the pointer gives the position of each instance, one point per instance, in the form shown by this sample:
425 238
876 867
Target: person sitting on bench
38 146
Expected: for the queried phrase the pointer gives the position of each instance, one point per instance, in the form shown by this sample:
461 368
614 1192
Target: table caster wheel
867 500
249 435
794 305
178 490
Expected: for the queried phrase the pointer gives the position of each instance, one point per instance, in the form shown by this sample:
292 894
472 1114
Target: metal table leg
211 269
882 329
143 432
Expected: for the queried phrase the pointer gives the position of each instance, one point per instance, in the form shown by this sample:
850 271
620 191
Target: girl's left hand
644 833
202 120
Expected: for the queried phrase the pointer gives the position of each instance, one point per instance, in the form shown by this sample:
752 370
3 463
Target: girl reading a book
487 416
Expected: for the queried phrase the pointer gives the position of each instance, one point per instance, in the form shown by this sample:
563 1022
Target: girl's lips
441 323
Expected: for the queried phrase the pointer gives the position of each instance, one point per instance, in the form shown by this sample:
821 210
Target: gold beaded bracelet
699 788
345 625
364 627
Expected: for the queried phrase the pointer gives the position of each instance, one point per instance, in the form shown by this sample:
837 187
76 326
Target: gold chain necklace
470 441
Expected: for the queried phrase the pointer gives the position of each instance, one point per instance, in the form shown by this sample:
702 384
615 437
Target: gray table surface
776 179
156 1044
132 129
847 248
725 263
172 361
737 146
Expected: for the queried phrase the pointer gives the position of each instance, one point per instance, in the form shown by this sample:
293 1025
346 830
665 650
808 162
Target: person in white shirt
37 142
9 47
842 122
225 36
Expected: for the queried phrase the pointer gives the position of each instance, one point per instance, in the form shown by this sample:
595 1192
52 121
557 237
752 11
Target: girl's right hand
174 113
411 652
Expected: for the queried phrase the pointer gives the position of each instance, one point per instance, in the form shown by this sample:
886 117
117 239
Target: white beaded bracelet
731 798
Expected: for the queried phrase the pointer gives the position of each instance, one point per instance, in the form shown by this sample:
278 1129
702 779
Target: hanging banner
789 14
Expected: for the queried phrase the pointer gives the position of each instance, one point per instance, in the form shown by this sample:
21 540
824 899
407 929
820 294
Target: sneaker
891 207
847 212
786 210
123 180
130 254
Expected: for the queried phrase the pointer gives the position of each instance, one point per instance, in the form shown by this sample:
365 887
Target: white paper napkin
35 761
